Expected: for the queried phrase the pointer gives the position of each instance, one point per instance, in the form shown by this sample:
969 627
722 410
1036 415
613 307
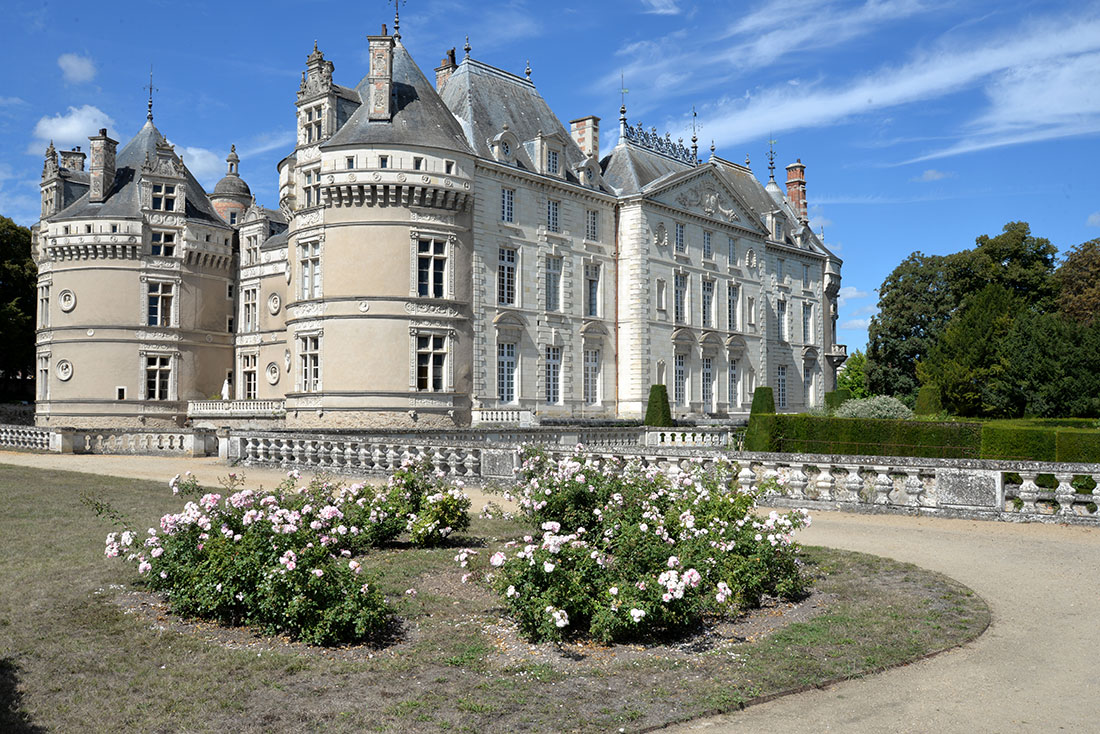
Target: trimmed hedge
763 401
836 398
1077 445
1018 442
657 411
928 401
862 436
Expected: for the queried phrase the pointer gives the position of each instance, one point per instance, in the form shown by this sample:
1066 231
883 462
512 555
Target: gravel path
1034 670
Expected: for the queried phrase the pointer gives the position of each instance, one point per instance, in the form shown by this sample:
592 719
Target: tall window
164 197
552 161
553 375
507 205
592 290
158 375
250 314
431 362
309 360
553 211
708 304
733 386
160 304
248 376
708 385
553 283
506 277
732 254
252 250
591 376
431 268
592 225
780 264
506 372
163 244
660 295
732 294
807 323
679 379
680 244
781 386
805 275
44 377
708 248
750 310
314 119
312 187
808 387
679 298
781 320
43 306
311 270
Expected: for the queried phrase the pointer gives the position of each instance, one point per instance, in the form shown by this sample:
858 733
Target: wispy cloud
267 142
205 165
11 101
1093 220
850 293
75 68
856 324
932 174
661 7
71 128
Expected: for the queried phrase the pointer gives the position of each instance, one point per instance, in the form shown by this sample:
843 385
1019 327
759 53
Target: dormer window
552 162
314 119
164 197
163 244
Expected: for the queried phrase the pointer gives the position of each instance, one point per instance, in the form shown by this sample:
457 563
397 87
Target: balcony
205 409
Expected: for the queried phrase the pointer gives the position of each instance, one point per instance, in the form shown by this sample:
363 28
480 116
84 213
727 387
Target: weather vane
397 18
151 89
771 158
622 87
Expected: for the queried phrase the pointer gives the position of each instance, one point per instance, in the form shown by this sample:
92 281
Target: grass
73 657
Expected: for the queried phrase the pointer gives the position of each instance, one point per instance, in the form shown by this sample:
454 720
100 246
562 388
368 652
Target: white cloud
76 69
205 165
661 7
932 174
849 293
267 142
1094 220
856 324
72 128
10 101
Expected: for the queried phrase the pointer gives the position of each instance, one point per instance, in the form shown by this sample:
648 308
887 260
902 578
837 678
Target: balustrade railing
24 438
235 408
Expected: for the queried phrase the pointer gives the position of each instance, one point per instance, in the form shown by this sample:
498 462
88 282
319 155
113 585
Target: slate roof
124 199
631 168
420 117
485 99
274 242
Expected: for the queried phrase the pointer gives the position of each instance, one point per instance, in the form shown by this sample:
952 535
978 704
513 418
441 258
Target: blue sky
922 123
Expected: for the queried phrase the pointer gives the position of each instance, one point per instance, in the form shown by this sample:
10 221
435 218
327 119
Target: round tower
231 196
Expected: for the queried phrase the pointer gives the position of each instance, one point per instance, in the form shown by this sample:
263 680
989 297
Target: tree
852 376
1079 283
969 363
1054 366
1014 259
17 304
657 412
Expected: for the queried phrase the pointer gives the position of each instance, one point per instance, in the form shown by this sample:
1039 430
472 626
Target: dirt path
1034 670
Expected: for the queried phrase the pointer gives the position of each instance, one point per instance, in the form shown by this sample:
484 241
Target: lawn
83 648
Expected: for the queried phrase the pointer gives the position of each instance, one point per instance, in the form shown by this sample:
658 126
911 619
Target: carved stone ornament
660 235
430 308
305 310
364 306
311 153
309 219
709 200
274 303
64 370
272 373
157 335
66 299
286 359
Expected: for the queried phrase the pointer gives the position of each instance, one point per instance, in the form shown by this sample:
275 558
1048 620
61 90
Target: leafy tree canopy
1079 283
852 376
17 302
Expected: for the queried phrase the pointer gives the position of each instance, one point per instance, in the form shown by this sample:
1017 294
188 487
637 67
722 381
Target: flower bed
285 560
633 553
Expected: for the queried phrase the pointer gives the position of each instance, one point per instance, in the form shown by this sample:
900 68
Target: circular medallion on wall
209 338
274 303
364 306
331 178
91 332
402 177
376 176
448 183
426 178
352 178
67 300
64 370
272 373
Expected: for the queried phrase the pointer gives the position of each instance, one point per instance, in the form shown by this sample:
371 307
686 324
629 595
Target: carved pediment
710 201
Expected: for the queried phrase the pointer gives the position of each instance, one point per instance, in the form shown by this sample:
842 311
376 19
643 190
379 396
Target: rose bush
626 552
284 560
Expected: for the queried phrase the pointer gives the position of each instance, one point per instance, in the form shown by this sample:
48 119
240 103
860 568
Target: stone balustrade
350 455
235 408
24 438
141 442
502 416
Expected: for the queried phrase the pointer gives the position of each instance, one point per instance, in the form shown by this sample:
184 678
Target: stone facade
440 253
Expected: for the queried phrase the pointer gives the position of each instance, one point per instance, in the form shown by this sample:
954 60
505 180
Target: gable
702 192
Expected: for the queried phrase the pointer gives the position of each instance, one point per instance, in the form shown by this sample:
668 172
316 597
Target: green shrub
836 398
1076 445
862 436
620 551
657 411
1003 440
928 401
763 401
762 432
881 407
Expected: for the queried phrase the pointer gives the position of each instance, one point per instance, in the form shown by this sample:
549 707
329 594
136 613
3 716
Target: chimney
586 134
796 188
446 67
380 77
73 159
102 167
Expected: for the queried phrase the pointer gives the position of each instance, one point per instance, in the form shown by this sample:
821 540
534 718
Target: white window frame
553 215
781 386
507 276
680 298
781 320
554 267
807 323
507 369
309 270
706 302
592 290
681 243
44 305
731 254
592 369
164 197
592 225
708 246
733 298
437 347
679 379
250 309
250 375
432 260
553 363
165 374
734 386
162 243
707 376
309 361
43 387
507 205
167 303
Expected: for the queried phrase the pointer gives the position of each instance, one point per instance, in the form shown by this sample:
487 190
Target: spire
713 148
527 71
233 160
466 48
694 136
771 159
748 164
151 89
396 20
623 91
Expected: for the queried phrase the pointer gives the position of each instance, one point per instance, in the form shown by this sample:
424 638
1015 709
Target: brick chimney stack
446 67
380 77
73 159
102 169
796 188
586 134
